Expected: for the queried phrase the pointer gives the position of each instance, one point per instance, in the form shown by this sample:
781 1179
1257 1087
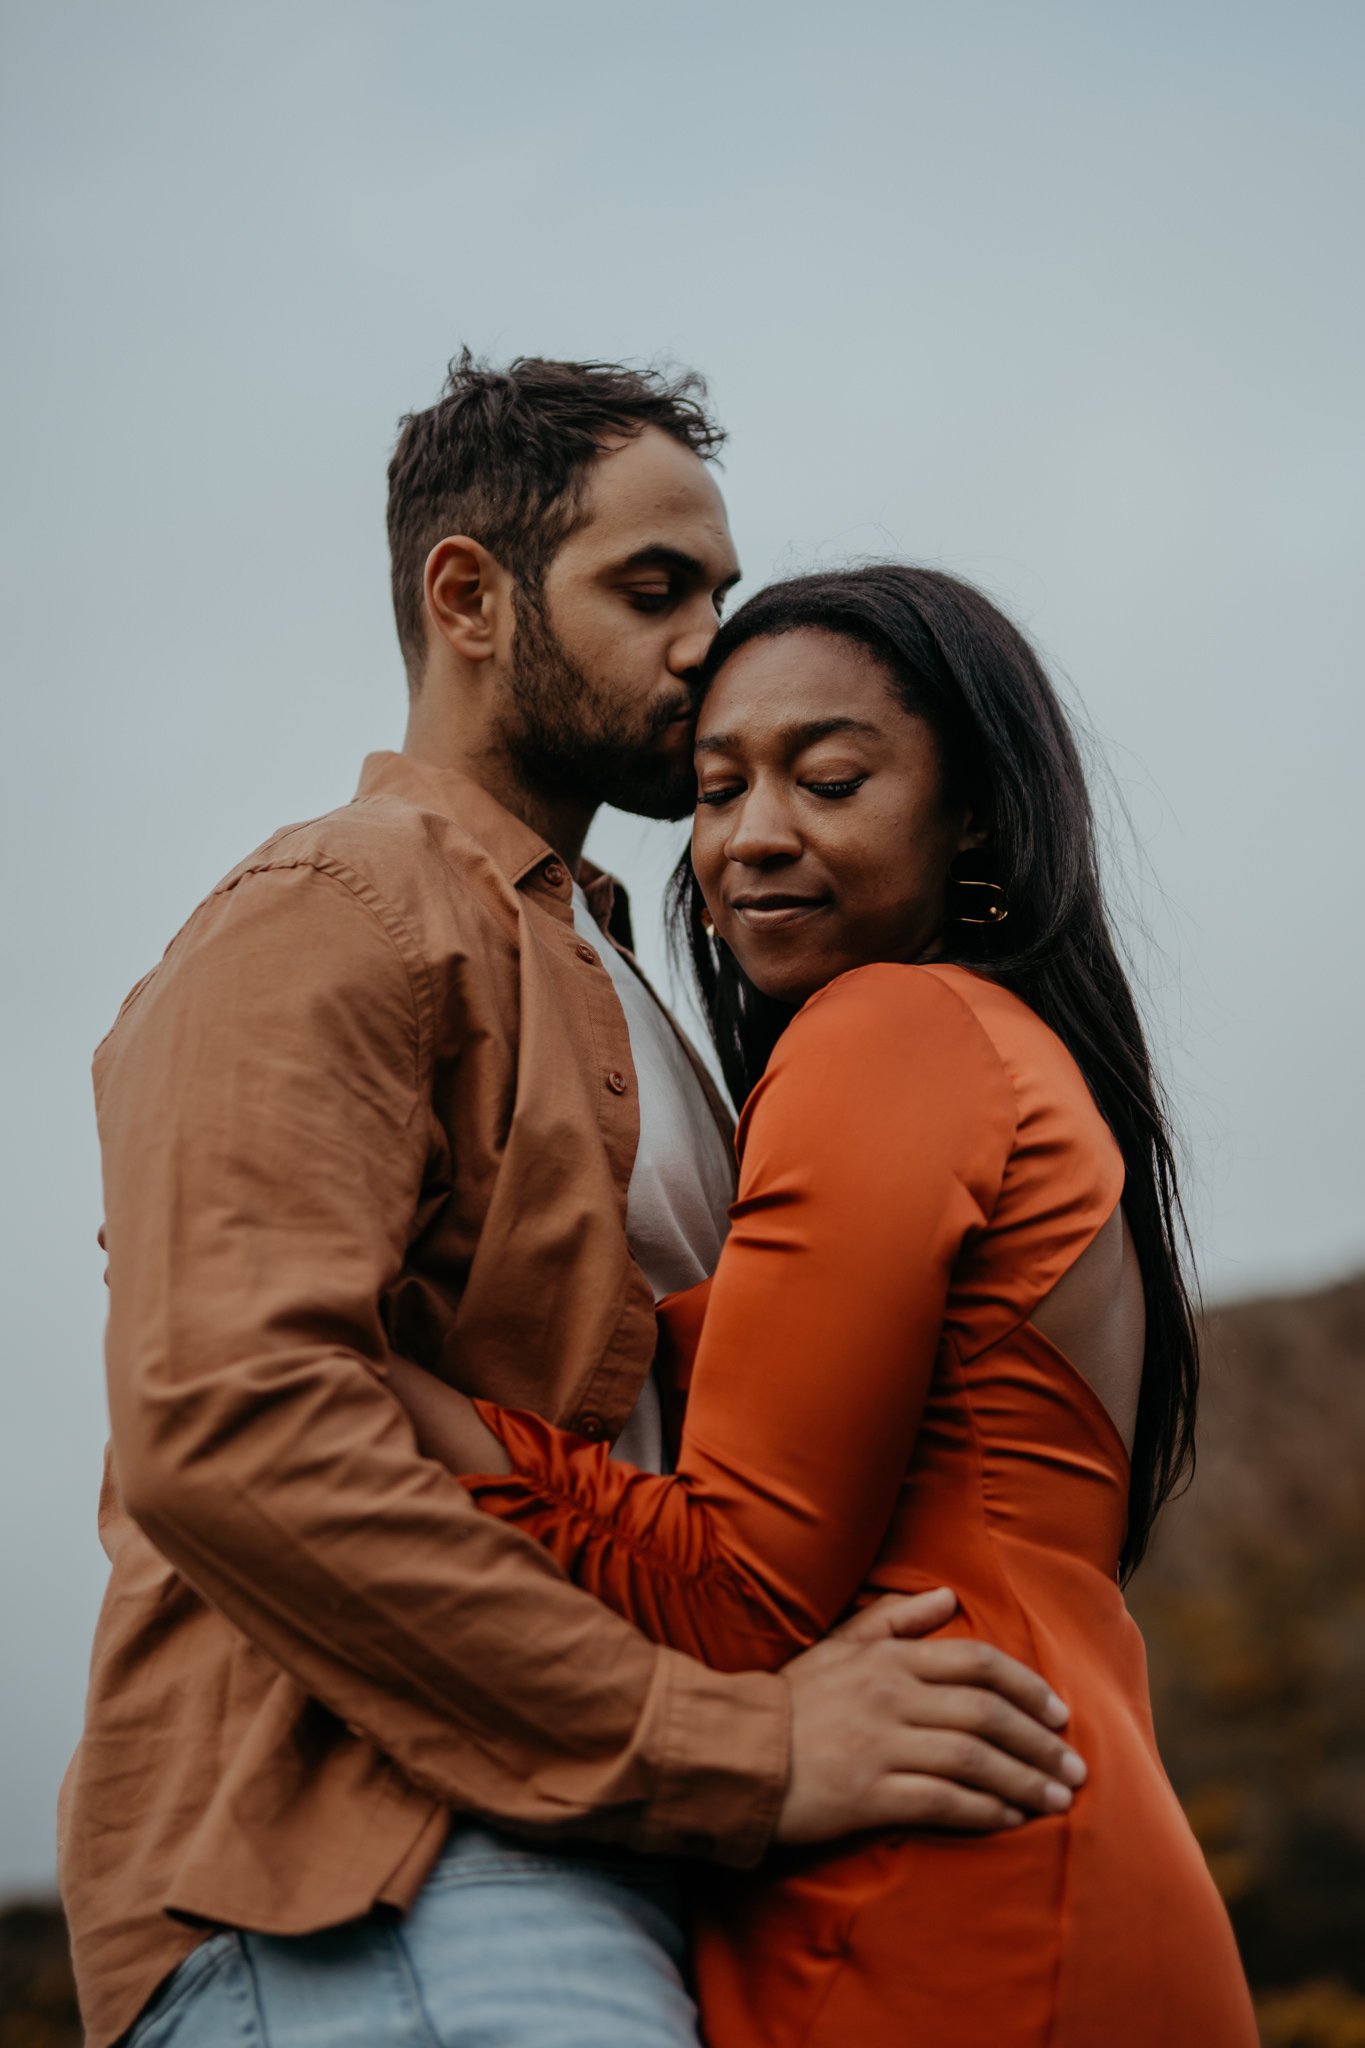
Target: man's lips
769 912
678 729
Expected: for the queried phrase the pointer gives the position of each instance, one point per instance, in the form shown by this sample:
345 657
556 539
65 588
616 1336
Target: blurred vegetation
37 1995
1253 1605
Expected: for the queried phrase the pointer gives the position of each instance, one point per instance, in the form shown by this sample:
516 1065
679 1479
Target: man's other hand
889 1731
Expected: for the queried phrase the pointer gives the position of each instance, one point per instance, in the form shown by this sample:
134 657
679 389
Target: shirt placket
611 1391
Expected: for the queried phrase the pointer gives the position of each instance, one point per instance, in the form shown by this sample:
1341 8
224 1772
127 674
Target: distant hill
1253 1605
37 1996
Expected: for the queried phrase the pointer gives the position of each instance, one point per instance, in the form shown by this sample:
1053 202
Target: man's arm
264 1116
887 1730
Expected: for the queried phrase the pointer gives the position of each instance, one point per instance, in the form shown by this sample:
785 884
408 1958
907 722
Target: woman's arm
872 1149
445 1422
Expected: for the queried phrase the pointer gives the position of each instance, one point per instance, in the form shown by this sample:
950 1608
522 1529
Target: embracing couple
566 1589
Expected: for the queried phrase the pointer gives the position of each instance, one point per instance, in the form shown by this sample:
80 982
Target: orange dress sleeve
871 1152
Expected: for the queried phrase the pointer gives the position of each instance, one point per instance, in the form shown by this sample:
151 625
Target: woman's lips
772 913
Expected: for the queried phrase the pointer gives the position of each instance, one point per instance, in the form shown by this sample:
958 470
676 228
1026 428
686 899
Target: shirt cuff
726 1762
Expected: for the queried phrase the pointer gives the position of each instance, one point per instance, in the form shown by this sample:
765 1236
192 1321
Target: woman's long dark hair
1006 748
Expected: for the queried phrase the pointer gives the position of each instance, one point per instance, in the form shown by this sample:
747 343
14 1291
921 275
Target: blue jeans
506 1947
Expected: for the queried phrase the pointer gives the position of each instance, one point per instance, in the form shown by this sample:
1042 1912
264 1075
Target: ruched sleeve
871 1153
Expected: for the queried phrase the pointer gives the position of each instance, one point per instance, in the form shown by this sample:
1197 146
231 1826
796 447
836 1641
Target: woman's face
823 834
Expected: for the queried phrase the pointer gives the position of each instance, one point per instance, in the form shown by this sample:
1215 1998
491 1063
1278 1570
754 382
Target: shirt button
592 1427
586 953
556 874
617 1083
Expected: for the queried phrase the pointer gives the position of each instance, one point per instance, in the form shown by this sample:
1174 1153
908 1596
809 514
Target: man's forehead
653 492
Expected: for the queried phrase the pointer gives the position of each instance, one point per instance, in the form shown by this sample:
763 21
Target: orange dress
871 1411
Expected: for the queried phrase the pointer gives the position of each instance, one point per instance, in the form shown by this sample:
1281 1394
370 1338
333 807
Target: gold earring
707 925
994 911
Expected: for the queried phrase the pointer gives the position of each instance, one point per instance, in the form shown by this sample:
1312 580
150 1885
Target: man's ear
467 594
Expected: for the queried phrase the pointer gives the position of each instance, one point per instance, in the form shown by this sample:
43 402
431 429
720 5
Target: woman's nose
762 831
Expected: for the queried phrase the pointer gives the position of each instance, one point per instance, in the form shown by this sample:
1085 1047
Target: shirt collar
514 845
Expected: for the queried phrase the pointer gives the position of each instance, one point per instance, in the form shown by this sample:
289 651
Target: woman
948 1340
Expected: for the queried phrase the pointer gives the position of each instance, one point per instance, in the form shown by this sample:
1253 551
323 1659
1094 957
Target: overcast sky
1065 298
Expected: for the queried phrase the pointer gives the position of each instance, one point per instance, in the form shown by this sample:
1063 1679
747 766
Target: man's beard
569 739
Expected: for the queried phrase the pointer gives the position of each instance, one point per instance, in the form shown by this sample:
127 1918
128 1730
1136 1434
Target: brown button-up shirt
374 1101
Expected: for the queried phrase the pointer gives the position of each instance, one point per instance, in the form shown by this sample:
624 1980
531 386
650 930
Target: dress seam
1006 1579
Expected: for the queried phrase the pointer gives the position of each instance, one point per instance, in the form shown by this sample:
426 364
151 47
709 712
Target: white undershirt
682 1183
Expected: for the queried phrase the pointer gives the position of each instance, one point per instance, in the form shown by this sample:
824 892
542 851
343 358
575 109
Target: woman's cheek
706 851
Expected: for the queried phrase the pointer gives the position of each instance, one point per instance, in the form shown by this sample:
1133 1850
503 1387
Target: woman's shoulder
1006 1019
893 1032
941 1003
945 1025
883 1079
1056 1115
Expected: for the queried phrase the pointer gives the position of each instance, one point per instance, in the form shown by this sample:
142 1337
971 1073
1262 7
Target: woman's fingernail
1056 1710
1058 1797
1072 1769
1013 1817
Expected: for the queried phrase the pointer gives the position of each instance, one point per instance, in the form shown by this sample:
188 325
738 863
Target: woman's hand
445 1421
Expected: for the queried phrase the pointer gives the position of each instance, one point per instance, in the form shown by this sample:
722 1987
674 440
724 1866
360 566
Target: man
378 1108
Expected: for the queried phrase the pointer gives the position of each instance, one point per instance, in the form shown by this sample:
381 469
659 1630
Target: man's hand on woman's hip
892 1731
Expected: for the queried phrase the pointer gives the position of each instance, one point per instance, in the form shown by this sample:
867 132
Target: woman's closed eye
830 791
846 787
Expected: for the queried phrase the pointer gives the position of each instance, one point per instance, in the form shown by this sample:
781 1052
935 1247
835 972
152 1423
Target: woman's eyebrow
793 737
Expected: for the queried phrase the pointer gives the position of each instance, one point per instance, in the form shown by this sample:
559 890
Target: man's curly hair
504 456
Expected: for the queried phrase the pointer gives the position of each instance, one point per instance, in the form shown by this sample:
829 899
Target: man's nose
689 650
762 831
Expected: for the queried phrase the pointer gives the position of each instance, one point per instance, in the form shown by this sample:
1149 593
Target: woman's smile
774 910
